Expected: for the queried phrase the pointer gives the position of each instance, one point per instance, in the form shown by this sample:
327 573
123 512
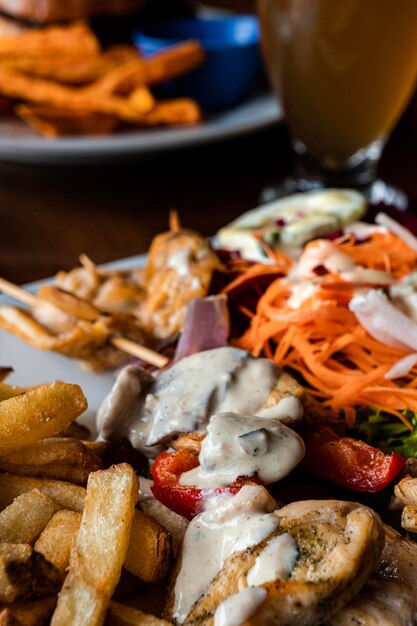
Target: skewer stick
122 343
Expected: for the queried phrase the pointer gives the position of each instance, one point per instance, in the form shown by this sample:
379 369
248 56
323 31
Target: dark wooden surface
49 215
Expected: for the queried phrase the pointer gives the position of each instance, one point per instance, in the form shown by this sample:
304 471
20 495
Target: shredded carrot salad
341 364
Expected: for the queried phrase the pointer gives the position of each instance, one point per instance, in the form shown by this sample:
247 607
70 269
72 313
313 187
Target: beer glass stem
359 172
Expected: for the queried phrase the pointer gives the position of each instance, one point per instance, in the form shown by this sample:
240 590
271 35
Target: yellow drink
345 69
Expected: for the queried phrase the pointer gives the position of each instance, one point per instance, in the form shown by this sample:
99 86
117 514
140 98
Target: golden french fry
148 555
97 447
25 519
34 613
10 391
75 430
66 495
54 122
76 39
25 574
101 547
58 538
59 458
179 111
4 372
38 413
121 615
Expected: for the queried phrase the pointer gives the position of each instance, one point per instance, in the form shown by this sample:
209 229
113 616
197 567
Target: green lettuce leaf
379 429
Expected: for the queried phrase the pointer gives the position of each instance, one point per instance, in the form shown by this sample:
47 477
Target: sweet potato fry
73 70
121 615
58 458
25 574
179 111
58 538
24 519
76 39
38 413
35 613
148 555
54 122
101 547
66 495
167 65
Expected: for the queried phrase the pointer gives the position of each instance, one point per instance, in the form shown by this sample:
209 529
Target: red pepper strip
169 466
182 499
350 463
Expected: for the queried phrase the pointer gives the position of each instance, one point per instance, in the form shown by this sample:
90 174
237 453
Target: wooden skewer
122 343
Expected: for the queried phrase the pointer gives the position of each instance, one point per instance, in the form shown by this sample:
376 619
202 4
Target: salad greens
378 429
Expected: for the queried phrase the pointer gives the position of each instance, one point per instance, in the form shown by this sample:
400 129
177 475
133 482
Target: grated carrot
341 365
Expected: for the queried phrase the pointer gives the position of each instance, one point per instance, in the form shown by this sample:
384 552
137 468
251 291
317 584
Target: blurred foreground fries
64 547
62 83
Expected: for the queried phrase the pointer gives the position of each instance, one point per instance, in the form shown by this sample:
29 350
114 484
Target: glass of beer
344 71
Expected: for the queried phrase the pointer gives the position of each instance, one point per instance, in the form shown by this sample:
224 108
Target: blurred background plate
19 144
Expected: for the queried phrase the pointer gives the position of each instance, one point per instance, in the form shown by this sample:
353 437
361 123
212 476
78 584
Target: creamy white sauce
237 609
300 293
215 381
180 261
275 562
289 409
239 522
237 445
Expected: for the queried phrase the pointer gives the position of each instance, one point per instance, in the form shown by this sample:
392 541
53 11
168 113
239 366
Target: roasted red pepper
184 500
350 463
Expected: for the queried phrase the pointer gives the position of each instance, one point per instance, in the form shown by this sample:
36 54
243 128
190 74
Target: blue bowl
233 57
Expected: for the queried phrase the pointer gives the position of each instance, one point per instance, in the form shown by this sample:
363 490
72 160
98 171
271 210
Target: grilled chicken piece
79 339
389 596
339 544
180 267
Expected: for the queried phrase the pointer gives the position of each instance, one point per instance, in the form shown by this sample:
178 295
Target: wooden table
49 215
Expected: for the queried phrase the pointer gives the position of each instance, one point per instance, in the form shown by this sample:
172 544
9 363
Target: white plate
33 367
20 144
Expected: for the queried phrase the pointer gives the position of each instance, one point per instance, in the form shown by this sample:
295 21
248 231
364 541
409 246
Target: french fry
34 613
76 431
121 615
5 372
72 70
38 413
74 40
179 111
58 538
148 555
141 100
17 85
167 65
59 458
24 519
101 547
66 495
25 574
54 122
10 391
